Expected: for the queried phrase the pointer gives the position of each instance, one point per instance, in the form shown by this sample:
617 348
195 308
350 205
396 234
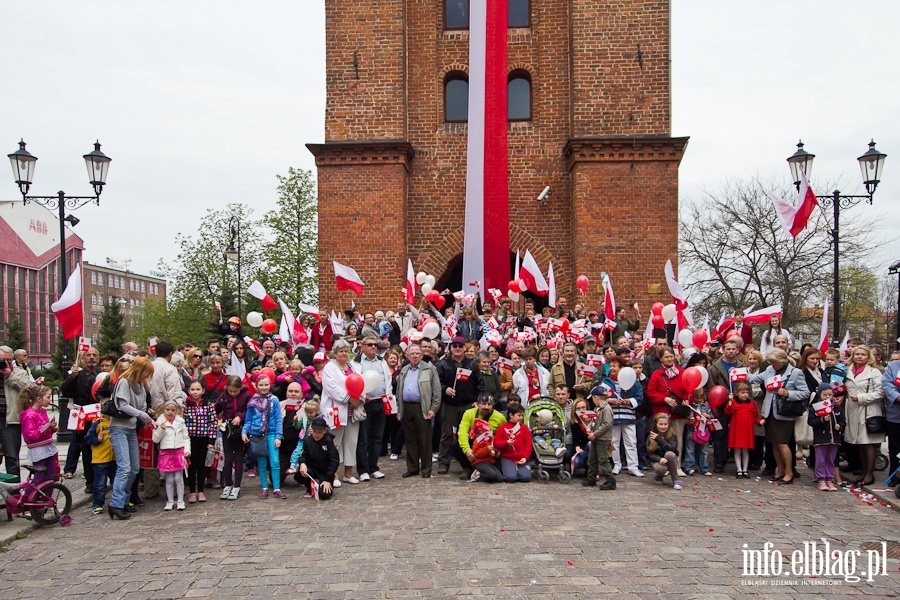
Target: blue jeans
695 454
125 445
272 461
513 471
102 472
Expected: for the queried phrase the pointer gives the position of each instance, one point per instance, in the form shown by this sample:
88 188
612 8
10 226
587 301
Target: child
744 415
513 442
302 422
320 460
828 431
200 420
38 430
696 453
663 448
264 419
580 444
174 445
103 459
297 372
601 438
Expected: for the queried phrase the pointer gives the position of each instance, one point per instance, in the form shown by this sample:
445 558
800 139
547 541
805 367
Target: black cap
319 424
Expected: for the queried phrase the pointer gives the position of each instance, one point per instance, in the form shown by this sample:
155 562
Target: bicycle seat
34 469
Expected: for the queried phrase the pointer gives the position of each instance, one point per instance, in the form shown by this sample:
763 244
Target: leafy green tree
14 336
112 329
188 323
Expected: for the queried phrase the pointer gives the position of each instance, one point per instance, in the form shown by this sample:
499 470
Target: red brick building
108 283
392 170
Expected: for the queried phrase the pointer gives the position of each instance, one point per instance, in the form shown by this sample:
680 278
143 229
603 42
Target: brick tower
392 170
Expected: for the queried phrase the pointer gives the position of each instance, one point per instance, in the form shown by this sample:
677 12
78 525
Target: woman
505 376
392 426
231 408
531 380
471 350
767 342
665 392
337 406
623 404
491 379
178 361
865 398
544 358
302 334
789 386
130 397
580 446
193 362
214 381
351 336
554 355
809 364
239 354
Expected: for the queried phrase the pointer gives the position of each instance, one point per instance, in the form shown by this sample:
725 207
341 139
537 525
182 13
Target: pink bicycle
47 503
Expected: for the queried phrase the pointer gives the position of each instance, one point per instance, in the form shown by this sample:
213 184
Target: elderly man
419 398
294 400
563 374
719 374
460 391
319 460
20 361
77 386
130 348
407 317
12 380
623 324
268 351
371 431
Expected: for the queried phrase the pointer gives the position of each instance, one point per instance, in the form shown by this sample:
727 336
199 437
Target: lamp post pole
892 270
234 253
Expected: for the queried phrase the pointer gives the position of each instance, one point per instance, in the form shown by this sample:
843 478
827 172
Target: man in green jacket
484 409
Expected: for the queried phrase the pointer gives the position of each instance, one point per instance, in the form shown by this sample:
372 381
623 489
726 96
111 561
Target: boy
320 459
601 439
103 460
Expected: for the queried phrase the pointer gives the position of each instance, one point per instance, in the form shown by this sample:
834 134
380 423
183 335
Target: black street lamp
894 269
234 253
23 163
870 164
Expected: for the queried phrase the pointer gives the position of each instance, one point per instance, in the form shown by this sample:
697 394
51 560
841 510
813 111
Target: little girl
38 430
513 442
174 446
744 415
663 448
302 423
297 373
695 453
200 420
264 419
828 431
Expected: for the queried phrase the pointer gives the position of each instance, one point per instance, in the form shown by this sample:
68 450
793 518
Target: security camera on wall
543 195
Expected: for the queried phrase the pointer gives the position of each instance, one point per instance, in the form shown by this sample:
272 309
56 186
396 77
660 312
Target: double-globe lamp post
23 163
234 253
870 164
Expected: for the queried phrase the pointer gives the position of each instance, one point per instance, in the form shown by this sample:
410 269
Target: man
20 358
369 329
487 471
739 328
590 347
212 347
268 350
319 460
505 311
232 328
563 374
562 312
77 386
458 396
371 430
890 383
419 398
623 324
13 379
130 348
165 385
719 374
469 327
652 361
394 333
594 324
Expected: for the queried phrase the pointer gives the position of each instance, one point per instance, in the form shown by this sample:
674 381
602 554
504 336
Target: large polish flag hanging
486 248
257 290
823 335
346 278
551 283
68 309
532 275
795 218
409 292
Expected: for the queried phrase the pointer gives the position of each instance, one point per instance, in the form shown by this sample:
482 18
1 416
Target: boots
118 513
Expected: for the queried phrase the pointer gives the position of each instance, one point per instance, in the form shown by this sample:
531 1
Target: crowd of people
328 406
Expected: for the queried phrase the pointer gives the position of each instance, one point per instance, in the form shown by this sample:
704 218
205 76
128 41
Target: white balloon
627 378
410 332
705 375
426 287
403 346
514 296
420 277
254 319
669 312
373 379
430 280
522 285
685 338
431 330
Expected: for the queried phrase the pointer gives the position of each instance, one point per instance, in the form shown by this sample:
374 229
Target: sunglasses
370 345
457 345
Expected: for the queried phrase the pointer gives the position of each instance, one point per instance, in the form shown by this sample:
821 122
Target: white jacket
175 435
520 383
870 403
334 394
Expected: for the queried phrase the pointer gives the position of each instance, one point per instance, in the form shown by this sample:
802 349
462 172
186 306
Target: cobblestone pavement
444 538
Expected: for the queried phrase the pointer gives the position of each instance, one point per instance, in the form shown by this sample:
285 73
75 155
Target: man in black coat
459 395
77 386
319 460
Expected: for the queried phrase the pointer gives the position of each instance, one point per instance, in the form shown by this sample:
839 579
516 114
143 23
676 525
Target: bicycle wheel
59 499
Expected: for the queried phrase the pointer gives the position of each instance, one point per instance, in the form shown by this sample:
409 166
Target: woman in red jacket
664 391
513 441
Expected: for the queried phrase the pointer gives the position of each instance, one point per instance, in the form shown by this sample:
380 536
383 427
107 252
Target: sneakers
823 487
169 506
180 505
681 473
201 497
336 483
279 494
353 480
363 477
830 484
192 498
264 494
98 510
251 472
293 469
677 485
235 493
691 471
434 457
394 456
636 472
226 492
708 474
475 476
616 469
378 475
560 451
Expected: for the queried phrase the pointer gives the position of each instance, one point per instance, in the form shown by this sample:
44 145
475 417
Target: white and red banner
257 290
286 328
84 344
585 371
678 297
486 244
252 344
823 408
68 309
595 360
219 307
504 363
463 374
309 309
739 374
845 344
795 218
823 334
347 279
390 404
763 315
409 292
532 275
151 344
775 382
551 284
609 300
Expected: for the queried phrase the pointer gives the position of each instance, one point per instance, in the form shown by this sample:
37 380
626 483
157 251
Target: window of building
100 299
143 287
116 280
122 283
519 13
110 283
94 299
519 96
93 319
131 284
93 278
456 98
456 14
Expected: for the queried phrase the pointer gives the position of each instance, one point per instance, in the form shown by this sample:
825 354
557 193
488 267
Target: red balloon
94 388
513 286
270 373
269 326
700 338
582 283
439 302
658 321
718 396
355 385
432 296
657 308
691 379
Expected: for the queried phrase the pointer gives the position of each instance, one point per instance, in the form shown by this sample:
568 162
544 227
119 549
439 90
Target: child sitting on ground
663 448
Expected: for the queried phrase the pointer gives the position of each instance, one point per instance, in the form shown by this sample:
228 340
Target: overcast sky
202 103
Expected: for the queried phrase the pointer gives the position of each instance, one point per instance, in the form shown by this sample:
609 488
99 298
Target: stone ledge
363 152
624 148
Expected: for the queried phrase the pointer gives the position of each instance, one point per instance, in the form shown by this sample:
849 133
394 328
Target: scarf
261 403
672 372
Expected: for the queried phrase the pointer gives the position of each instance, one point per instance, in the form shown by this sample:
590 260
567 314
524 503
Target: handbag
681 410
232 432
700 436
110 408
359 413
876 424
258 447
789 408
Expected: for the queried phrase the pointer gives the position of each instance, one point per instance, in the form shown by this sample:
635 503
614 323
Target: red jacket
323 337
746 334
657 391
521 447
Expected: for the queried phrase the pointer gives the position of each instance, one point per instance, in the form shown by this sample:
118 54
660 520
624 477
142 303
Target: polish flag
486 244
609 299
252 344
678 297
532 276
286 330
551 284
257 290
845 344
237 367
720 326
68 309
463 374
309 309
347 279
514 296
795 218
410 292
763 315
823 336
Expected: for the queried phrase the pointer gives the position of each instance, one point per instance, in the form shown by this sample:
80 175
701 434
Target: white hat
379 314
389 314
319 357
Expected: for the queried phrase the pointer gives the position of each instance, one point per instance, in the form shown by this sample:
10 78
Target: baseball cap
319 424
319 357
